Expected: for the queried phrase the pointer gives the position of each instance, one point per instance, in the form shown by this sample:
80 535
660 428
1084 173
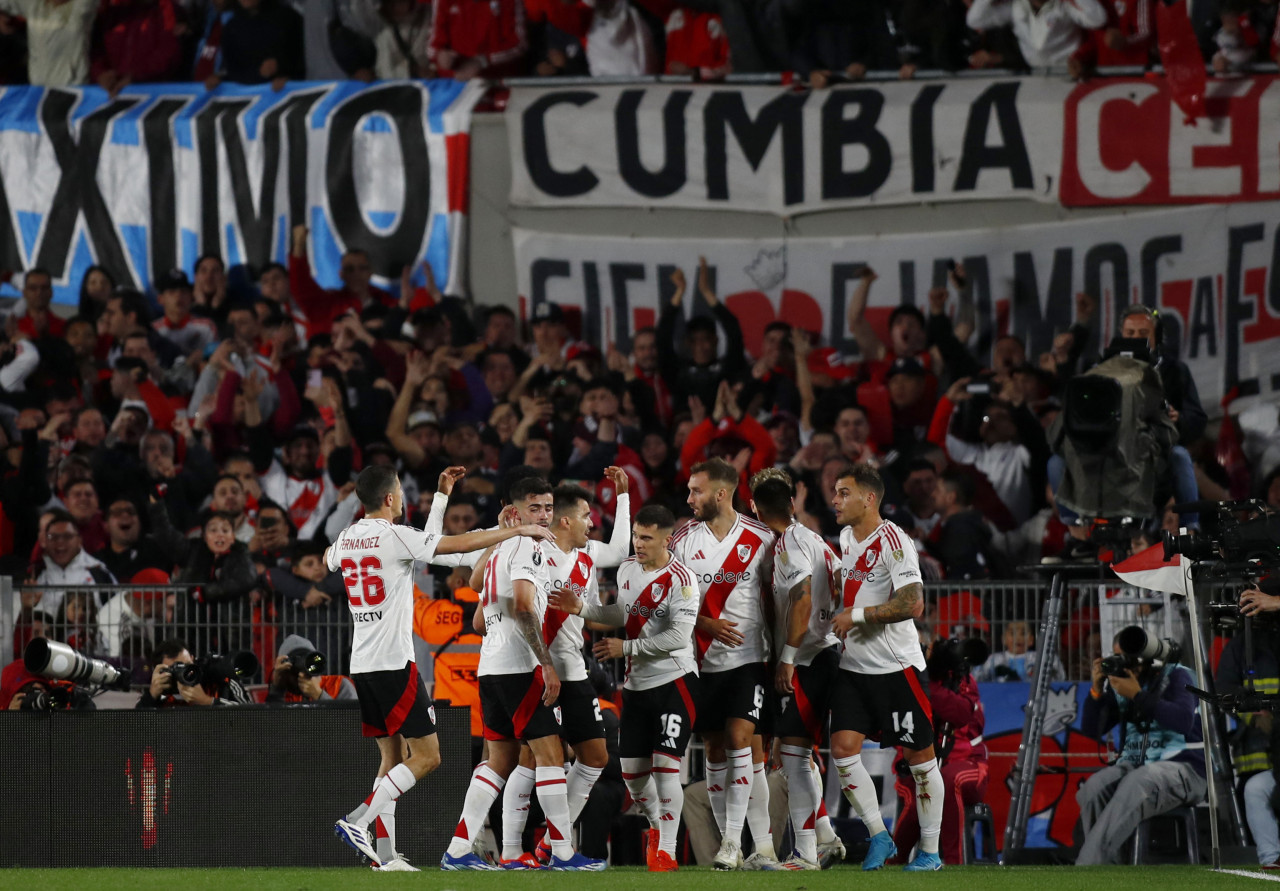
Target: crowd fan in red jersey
115 43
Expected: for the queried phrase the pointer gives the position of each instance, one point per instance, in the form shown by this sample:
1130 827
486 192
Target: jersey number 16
364 585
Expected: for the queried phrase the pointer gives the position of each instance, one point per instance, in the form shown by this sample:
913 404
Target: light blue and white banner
162 174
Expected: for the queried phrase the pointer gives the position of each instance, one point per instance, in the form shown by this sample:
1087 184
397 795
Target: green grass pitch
973 878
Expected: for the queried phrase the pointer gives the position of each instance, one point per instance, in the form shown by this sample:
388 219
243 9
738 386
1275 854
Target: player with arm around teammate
375 556
657 607
880 687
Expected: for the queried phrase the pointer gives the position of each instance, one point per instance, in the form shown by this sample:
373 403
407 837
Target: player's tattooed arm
906 602
527 620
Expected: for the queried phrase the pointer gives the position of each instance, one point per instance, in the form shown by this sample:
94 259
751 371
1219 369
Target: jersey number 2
364 585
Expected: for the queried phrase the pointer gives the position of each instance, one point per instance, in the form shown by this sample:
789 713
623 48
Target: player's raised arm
440 502
619 546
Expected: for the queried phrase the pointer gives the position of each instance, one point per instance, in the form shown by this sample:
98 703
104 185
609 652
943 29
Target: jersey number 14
364 585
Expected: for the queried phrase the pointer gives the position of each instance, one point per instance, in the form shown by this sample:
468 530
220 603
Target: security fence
123 624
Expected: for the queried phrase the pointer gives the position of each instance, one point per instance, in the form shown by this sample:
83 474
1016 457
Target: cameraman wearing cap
1161 762
297 677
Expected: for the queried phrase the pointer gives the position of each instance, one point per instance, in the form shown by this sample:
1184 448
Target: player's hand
509 518
565 601
1253 602
842 624
775 754
723 631
550 685
782 677
608 648
537 533
448 478
618 477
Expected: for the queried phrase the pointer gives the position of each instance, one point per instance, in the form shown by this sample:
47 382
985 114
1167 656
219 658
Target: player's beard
706 512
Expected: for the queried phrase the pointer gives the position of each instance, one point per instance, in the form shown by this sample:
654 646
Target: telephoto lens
51 659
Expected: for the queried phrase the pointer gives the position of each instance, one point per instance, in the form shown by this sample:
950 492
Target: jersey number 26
364 585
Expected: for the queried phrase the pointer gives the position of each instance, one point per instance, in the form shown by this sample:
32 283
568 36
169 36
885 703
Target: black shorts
580 718
740 692
658 720
804 713
891 708
394 702
512 708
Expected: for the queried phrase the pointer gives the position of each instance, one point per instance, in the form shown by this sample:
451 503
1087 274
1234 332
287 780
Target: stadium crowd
114 43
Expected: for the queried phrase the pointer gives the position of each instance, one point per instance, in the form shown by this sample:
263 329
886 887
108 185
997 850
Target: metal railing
123 624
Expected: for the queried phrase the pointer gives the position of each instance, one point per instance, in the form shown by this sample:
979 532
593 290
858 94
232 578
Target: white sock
715 790
860 790
516 797
399 780
581 781
801 801
644 791
384 831
929 798
485 788
666 776
737 793
554 798
758 813
826 834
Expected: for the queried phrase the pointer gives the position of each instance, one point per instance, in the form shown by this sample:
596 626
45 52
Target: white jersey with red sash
730 574
798 554
575 571
657 602
505 650
872 570
307 502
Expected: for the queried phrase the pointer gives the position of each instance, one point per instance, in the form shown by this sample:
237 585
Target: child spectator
1018 660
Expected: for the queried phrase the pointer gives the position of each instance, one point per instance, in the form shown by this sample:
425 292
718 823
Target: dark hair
655 515
600 383
169 649
462 499
497 311
267 267
918 464
59 515
773 498
219 515
528 486
308 549
717 470
375 483
228 476
239 455
867 478
960 483
567 498
132 303
267 504
221 263
778 325
37 270
906 309
87 307
515 475
701 323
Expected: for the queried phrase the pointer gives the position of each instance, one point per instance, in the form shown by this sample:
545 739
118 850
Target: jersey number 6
372 592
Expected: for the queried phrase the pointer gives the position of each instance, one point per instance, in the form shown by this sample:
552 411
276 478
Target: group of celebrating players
703 613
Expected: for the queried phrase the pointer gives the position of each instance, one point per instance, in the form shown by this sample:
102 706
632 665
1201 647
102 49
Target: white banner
1211 270
784 150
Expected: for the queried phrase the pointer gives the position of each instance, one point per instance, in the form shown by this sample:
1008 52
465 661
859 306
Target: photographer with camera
180 679
299 676
1161 764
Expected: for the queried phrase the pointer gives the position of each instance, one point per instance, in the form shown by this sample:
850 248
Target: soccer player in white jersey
730 555
657 606
571 563
880 687
375 556
519 689
804 569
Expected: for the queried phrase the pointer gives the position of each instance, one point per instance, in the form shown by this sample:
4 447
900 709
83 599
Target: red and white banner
1128 142
1211 270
